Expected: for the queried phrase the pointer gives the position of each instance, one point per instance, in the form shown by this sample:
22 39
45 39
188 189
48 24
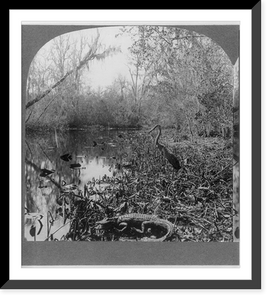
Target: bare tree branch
41 96
29 116
88 57
45 110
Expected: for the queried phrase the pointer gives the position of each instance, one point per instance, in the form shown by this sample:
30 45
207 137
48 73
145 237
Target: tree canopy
177 78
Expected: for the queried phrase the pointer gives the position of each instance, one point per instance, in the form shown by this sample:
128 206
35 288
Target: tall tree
185 68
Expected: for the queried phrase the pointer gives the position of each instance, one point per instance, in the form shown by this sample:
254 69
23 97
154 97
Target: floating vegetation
45 172
66 157
76 165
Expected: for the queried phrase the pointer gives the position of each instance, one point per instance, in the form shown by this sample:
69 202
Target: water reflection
73 158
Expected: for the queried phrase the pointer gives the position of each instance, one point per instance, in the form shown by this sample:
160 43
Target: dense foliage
177 78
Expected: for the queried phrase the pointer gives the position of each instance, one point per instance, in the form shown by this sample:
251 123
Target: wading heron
165 152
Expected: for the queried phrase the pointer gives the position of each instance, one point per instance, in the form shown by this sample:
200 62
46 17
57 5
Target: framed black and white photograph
135 149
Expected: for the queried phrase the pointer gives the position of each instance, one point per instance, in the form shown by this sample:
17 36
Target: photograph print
131 134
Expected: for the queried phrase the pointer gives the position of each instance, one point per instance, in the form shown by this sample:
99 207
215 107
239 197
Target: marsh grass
197 198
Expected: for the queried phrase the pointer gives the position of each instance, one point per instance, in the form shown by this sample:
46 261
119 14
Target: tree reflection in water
52 168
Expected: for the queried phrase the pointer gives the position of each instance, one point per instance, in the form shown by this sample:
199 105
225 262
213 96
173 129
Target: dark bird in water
165 152
94 143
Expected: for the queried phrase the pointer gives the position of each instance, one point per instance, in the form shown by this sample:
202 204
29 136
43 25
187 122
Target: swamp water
77 159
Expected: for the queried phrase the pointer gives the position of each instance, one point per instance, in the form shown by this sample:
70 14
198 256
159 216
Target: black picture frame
255 282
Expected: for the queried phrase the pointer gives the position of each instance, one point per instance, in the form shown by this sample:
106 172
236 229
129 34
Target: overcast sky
102 73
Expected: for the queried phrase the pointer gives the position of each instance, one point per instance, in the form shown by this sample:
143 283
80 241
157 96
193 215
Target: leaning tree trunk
42 95
236 150
89 56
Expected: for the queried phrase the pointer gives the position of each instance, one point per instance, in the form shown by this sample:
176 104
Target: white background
129 16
